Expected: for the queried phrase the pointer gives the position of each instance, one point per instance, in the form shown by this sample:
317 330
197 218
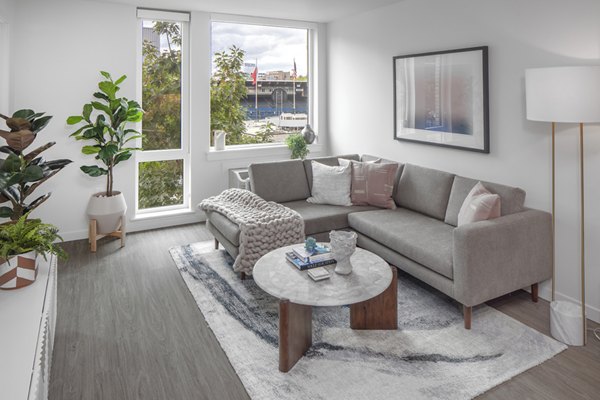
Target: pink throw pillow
479 205
373 184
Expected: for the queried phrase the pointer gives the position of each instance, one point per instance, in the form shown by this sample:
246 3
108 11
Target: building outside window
260 81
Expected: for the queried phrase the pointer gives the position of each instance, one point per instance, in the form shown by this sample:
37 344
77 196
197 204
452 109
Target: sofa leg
242 275
468 315
534 292
216 244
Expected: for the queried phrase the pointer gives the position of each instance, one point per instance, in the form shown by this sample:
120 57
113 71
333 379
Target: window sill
250 151
163 214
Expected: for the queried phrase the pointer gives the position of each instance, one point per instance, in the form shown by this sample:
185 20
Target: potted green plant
21 243
105 123
21 174
297 145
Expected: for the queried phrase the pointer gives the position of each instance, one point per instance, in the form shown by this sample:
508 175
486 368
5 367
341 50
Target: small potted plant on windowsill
105 124
21 243
297 145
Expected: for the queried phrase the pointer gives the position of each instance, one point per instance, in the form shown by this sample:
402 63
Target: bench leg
534 292
216 244
468 316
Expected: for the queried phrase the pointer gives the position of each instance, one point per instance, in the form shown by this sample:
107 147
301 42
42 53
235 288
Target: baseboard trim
591 312
142 225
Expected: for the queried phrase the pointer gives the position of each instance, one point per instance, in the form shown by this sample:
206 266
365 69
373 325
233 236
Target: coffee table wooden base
295 322
295 333
380 312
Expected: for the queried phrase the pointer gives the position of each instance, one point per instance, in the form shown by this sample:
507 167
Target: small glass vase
343 245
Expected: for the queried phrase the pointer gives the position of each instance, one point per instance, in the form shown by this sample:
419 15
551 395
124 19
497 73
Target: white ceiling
304 10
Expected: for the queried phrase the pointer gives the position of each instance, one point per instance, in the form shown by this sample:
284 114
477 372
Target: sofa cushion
480 205
331 161
230 230
511 198
273 180
372 183
324 217
370 158
331 185
424 190
422 239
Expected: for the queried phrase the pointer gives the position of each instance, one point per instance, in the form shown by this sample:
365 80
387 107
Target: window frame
183 153
312 72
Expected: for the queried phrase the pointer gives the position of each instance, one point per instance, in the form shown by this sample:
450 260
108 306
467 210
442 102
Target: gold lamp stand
581 184
582 222
567 95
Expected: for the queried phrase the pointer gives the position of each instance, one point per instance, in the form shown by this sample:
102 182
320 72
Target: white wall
6 20
61 46
520 35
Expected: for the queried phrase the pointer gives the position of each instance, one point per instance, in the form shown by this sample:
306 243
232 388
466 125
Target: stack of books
304 260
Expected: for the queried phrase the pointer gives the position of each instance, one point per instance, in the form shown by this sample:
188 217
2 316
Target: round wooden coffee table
370 290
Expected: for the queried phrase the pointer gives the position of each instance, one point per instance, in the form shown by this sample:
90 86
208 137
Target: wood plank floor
128 328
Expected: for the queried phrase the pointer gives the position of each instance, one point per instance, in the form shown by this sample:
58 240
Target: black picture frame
441 98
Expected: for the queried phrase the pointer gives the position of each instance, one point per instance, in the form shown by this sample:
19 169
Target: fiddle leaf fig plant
105 121
21 174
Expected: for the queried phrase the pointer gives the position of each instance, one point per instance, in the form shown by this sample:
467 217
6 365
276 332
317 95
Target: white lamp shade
563 94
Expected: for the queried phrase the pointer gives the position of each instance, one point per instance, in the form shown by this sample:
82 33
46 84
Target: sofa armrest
499 256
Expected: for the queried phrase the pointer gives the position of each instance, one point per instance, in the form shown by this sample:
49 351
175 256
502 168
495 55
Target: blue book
321 253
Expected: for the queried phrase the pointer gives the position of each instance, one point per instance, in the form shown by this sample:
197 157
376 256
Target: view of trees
161 182
227 90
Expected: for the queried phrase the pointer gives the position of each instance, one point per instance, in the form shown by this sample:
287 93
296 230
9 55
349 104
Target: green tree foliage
161 92
161 182
227 90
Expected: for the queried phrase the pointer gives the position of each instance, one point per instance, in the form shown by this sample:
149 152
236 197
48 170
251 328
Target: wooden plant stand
94 236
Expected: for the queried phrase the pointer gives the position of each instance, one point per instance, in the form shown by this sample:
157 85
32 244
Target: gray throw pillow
331 185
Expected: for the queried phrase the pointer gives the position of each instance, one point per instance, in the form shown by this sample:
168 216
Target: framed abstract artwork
441 98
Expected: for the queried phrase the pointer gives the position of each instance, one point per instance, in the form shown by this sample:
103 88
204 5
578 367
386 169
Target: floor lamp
565 95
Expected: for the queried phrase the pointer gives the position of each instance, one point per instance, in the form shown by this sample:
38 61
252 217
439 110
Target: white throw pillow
479 205
331 185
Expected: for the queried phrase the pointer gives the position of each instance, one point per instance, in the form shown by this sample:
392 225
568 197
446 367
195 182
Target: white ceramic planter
107 211
19 271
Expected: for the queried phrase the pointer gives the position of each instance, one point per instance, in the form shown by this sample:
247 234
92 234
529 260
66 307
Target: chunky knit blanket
264 225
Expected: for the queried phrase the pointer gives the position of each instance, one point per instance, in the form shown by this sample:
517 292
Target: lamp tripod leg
581 183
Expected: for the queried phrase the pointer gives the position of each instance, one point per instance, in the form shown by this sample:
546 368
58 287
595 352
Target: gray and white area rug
430 356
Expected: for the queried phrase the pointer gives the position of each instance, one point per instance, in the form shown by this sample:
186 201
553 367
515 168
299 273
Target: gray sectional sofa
472 263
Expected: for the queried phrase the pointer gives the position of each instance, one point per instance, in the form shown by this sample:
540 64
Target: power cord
596 332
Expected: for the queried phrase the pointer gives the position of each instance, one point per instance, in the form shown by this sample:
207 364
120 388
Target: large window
163 163
260 81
